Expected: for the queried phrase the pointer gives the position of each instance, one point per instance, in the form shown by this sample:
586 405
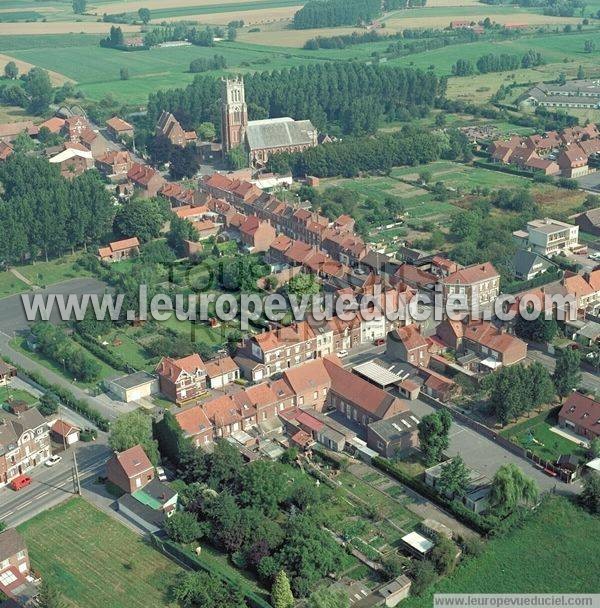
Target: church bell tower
234 113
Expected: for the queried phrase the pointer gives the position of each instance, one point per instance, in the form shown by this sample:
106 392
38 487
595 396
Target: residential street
589 381
52 485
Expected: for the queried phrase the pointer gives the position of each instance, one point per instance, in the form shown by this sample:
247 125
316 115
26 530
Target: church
260 138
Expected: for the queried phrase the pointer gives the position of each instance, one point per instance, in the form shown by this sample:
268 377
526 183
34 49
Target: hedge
473 520
195 562
503 168
66 397
104 354
490 525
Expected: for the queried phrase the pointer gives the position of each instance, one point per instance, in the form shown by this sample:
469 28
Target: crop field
525 561
78 549
60 27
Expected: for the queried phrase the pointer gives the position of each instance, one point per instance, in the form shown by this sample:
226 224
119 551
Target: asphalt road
589 380
52 485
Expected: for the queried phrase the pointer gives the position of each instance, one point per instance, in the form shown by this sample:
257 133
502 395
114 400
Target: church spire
234 113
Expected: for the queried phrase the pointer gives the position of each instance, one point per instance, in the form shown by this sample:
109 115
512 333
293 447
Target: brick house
276 350
169 127
24 443
347 334
221 372
492 344
115 164
407 344
146 179
310 384
14 568
195 425
478 284
182 379
117 127
119 250
580 415
573 161
130 470
72 162
257 235
392 436
359 400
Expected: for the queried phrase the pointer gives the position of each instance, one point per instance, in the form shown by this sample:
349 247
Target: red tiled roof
134 461
305 419
193 420
118 124
172 368
218 367
472 274
582 411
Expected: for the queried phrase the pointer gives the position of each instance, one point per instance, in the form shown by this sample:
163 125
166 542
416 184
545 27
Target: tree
281 594
49 596
580 73
23 143
540 384
303 284
328 598
231 34
393 564
237 158
562 79
423 575
2 526
181 230
143 218
595 447
510 487
443 556
204 590
590 495
454 478
144 15
184 527
39 88
48 404
131 429
536 330
184 162
11 71
124 73
79 6
589 46
206 131
567 373
433 435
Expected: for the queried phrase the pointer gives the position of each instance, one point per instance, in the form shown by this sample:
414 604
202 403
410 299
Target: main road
52 485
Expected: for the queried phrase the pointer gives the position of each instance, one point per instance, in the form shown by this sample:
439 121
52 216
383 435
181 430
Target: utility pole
76 474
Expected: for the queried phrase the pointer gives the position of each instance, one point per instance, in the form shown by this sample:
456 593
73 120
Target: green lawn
536 436
54 271
9 284
9 394
95 561
556 551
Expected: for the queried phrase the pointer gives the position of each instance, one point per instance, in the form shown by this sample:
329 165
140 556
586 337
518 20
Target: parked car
18 483
160 472
379 341
342 353
53 460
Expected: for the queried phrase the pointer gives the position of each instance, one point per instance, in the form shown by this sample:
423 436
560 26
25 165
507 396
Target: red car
379 341
20 482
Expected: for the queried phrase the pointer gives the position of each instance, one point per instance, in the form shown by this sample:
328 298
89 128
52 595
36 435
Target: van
20 482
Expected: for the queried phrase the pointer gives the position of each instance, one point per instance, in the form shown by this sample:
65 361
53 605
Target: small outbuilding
133 387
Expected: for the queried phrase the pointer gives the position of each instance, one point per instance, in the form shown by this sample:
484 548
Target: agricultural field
10 284
78 549
554 552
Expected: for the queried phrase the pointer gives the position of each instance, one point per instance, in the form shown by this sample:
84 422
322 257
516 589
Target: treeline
372 154
560 8
331 13
199 37
341 42
217 62
353 95
497 63
42 213
54 343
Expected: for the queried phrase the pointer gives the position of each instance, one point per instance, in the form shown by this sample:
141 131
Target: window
138 482
21 555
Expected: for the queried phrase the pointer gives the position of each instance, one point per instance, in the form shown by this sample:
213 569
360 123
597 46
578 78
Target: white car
160 472
342 353
53 460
